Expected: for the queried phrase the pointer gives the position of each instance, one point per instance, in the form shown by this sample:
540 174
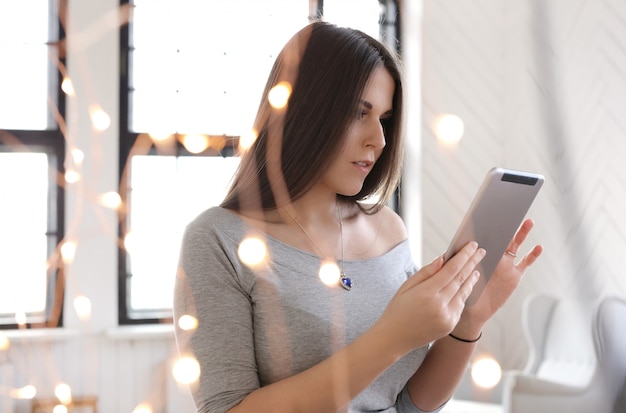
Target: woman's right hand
429 304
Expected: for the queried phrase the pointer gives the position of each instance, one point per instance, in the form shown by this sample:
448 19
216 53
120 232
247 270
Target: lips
364 166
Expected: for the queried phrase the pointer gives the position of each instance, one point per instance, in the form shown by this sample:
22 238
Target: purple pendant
346 282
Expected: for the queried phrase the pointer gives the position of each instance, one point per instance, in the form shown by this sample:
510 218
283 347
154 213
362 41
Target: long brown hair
328 67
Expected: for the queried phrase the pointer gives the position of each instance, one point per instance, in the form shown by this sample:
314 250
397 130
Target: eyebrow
369 106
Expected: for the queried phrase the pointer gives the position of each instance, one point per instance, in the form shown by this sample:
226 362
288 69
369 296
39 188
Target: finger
424 273
460 279
467 287
530 258
520 236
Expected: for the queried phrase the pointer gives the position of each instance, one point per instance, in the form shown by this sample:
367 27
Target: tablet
495 214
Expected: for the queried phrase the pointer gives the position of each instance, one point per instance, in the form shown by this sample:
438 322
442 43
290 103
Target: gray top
263 324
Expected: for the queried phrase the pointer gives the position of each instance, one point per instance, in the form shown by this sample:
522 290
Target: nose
376 135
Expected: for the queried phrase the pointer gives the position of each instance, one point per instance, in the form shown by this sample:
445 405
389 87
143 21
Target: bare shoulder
372 235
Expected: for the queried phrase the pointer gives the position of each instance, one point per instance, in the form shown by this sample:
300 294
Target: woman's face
366 137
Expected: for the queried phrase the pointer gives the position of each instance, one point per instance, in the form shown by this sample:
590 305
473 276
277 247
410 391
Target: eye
361 114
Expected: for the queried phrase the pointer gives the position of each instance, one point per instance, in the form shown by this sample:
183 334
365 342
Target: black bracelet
464 340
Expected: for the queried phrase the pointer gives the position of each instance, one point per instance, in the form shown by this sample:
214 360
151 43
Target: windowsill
135 332
144 331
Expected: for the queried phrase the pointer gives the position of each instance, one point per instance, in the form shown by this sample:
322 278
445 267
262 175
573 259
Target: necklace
344 281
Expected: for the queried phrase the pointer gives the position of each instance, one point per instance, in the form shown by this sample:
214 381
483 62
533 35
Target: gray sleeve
404 404
208 287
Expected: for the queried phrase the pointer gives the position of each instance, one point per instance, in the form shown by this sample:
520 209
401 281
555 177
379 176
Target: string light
195 143
329 273
486 371
187 322
63 392
449 129
99 118
252 251
186 370
82 306
111 200
143 408
279 95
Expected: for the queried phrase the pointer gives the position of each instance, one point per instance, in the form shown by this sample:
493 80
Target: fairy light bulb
67 86
68 251
5 343
246 140
82 306
71 176
279 95
63 392
449 129
252 251
23 393
77 155
195 143
60 408
186 370
329 273
187 322
111 200
99 118
143 408
159 136
486 372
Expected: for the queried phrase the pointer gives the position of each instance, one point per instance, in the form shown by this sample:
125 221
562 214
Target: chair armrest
522 383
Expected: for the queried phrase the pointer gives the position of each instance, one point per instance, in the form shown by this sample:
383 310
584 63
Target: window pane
358 14
23 239
200 66
24 73
166 193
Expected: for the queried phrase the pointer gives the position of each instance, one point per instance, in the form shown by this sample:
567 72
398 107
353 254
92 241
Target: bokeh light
252 251
486 371
71 176
449 129
195 143
329 273
247 139
59 408
63 392
26 392
186 370
68 251
5 343
67 86
187 322
111 200
159 136
99 118
82 306
20 318
143 408
279 95
77 155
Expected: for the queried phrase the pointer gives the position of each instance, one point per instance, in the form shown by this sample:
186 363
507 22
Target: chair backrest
568 355
610 341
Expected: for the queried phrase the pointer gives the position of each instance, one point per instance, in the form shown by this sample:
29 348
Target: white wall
541 86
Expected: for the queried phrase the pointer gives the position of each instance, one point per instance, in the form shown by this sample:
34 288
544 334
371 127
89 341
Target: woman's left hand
505 278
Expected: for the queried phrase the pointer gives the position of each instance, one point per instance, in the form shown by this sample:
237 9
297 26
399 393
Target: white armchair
578 358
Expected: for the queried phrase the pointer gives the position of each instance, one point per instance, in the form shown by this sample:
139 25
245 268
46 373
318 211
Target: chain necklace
344 281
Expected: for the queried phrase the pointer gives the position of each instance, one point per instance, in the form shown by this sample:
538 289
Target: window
31 154
195 73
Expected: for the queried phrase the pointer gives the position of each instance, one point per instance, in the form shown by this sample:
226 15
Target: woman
383 336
